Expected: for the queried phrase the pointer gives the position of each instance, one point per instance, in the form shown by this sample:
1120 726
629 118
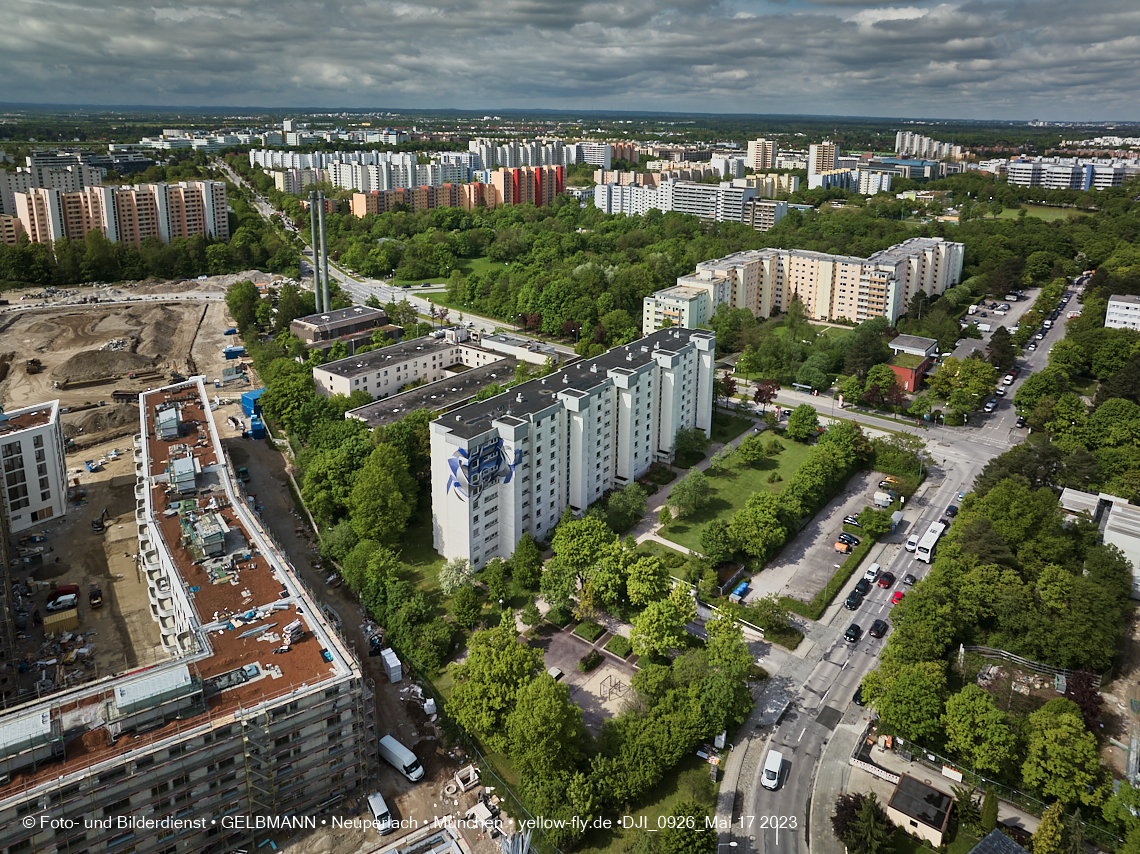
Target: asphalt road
957 455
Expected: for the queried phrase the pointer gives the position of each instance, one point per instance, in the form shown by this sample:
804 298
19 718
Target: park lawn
468 266
658 803
1044 212
731 490
418 553
727 427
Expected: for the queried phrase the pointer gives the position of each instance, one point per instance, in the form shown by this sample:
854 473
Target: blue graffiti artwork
474 471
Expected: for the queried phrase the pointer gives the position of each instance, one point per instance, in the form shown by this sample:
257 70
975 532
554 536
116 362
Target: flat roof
327 319
373 359
234 606
1126 298
921 802
684 292
581 377
27 417
913 344
439 395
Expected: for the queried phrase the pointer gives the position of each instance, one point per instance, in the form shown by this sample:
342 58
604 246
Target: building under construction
260 710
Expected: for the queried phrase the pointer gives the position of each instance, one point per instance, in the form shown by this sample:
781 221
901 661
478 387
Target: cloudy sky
985 59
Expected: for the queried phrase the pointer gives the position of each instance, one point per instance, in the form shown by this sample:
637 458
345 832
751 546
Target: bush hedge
620 646
590 661
589 630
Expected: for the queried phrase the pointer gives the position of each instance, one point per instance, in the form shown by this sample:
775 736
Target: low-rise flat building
913 357
512 464
1123 312
1119 523
352 325
920 809
34 471
259 709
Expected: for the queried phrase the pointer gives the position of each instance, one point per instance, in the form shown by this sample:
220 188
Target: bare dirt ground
1120 722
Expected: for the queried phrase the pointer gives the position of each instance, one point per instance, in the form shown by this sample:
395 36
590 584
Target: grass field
468 266
727 427
1041 212
731 490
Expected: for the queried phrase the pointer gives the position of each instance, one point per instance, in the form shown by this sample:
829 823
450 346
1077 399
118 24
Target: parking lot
805 565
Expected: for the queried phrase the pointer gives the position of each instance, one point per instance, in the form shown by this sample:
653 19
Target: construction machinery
95 596
33 366
99 523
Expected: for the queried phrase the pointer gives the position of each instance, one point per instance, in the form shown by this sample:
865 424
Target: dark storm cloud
1045 59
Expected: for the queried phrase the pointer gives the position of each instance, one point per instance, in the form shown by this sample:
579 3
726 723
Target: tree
847 807
664 517
765 393
870 831
581 543
661 626
690 443
769 613
465 606
686 834
751 449
968 808
530 613
874 522
526 562
648 580
1061 756
626 507
454 575
978 730
559 583
719 461
1074 835
691 493
1081 688
1047 837
758 529
989 811
1122 810
716 542
544 729
908 697
816 371
488 682
495 577
383 496
803 423
1000 351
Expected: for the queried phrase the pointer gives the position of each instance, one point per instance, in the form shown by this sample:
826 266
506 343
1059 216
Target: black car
858 698
852 520
1020 421
863 587
951 511
850 539
878 628
853 633
854 600
909 580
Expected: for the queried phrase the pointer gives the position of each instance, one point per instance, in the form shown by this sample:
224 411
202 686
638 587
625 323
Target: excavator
99 523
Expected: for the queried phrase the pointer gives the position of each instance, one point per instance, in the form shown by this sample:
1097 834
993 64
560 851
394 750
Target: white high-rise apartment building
720 202
761 154
511 465
32 461
830 287
1123 312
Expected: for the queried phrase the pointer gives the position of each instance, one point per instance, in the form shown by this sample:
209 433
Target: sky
1053 60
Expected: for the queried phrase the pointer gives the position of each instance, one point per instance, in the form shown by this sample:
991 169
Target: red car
886 580
897 597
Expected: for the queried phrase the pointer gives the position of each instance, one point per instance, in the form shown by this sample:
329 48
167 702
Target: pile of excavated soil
93 364
99 419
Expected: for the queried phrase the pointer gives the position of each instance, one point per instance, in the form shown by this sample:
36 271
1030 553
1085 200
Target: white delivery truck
973 309
401 758
380 813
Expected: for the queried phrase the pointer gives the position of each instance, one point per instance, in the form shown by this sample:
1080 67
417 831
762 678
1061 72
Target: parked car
854 600
852 519
858 698
886 580
909 580
999 391
863 587
897 597
1020 422
872 572
878 628
850 539
951 511
843 548
991 405
1040 336
853 633
1032 345
912 543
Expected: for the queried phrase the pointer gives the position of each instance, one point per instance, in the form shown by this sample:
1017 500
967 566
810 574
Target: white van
773 766
401 758
380 813
872 573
